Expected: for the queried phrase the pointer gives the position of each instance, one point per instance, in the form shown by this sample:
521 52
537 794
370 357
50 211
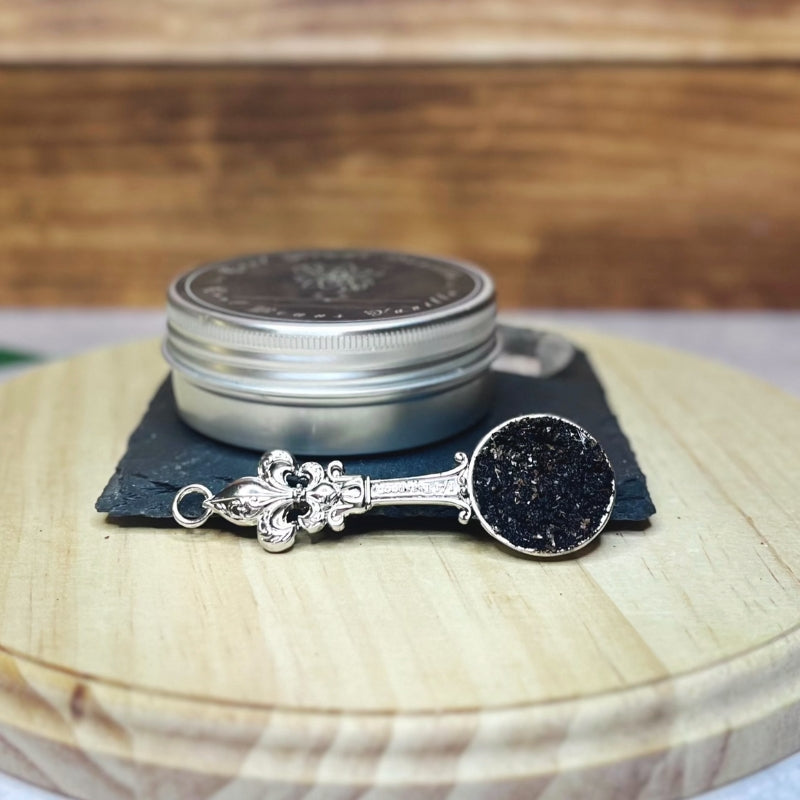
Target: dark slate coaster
164 454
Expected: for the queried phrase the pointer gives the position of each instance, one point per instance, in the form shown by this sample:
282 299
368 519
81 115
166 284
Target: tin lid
330 326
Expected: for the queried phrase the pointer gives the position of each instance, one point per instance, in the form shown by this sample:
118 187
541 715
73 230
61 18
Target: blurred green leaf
8 357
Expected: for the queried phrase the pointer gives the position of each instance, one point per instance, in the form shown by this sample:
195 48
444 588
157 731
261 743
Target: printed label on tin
331 285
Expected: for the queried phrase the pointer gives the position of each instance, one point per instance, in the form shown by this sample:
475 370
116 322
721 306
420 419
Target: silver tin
331 351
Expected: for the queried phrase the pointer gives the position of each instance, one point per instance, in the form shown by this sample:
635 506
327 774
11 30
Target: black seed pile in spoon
542 484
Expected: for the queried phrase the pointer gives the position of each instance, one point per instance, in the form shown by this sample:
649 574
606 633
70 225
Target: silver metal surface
304 344
333 428
286 497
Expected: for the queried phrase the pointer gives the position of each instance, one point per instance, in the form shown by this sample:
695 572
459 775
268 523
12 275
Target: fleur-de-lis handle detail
286 498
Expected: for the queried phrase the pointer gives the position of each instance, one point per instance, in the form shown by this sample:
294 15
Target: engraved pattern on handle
441 489
286 498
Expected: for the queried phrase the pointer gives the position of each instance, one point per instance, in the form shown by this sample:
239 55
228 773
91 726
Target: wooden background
590 153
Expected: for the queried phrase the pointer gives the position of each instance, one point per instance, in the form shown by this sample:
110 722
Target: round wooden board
161 663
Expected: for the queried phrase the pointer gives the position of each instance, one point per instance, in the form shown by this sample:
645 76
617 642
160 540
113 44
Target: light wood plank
345 31
138 661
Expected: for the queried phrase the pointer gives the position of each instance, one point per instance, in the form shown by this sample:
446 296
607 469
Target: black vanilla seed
543 485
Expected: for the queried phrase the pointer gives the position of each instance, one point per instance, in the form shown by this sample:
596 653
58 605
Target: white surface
766 344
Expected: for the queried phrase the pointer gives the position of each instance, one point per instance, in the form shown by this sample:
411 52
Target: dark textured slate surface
164 455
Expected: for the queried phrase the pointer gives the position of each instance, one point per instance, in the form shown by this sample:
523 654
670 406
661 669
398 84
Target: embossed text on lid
331 286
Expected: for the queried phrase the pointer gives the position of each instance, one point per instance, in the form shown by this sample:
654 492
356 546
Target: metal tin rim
321 361
178 298
341 388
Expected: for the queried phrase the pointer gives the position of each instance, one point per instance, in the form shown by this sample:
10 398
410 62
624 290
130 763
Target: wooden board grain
397 30
155 662
579 186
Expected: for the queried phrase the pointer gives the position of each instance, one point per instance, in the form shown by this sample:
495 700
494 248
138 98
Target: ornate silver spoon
540 484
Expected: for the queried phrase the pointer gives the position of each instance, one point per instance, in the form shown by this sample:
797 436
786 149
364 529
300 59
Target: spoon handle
286 498
438 489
